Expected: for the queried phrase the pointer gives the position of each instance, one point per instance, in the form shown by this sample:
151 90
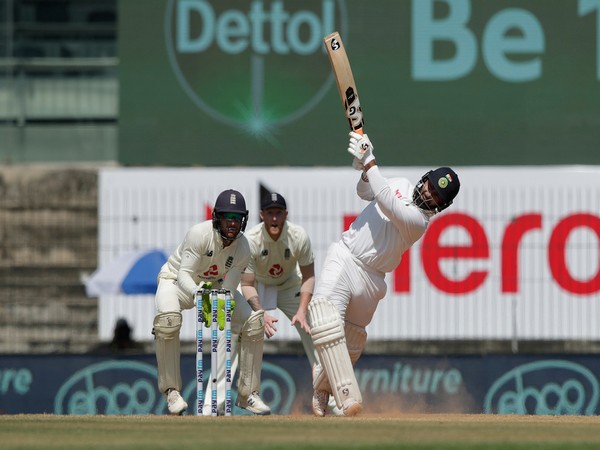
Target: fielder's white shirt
276 263
202 257
388 226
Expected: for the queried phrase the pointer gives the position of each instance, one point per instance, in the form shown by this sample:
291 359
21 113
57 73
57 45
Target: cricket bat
345 81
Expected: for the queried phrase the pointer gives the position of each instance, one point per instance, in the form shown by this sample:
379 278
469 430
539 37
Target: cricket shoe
320 403
175 403
254 404
351 407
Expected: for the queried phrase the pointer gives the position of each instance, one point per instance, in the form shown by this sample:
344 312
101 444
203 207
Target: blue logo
111 387
551 387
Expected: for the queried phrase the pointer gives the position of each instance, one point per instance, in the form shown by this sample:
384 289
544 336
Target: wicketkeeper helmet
229 201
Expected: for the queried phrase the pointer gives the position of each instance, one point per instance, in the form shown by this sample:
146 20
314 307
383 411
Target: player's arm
191 260
361 148
250 293
306 292
407 219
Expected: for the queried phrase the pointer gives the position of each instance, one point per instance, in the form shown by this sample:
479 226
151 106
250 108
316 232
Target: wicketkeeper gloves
207 310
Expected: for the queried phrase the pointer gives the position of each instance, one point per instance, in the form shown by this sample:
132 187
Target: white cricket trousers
353 288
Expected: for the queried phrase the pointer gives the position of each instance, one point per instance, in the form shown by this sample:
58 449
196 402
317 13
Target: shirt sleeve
191 259
407 219
306 255
363 190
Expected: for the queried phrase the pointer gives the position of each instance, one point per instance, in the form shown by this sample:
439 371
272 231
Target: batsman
352 280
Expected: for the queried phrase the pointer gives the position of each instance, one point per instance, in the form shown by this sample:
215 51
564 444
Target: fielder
352 280
280 274
210 250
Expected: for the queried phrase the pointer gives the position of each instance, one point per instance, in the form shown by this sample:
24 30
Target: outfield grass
427 431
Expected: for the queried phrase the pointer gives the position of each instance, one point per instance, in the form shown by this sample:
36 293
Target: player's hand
360 147
270 327
300 319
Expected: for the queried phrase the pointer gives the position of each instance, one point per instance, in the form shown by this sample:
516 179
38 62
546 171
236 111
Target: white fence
516 257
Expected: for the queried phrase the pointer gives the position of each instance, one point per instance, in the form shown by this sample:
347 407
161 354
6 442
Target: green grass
427 431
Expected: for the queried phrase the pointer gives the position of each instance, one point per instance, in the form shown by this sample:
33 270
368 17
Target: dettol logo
252 64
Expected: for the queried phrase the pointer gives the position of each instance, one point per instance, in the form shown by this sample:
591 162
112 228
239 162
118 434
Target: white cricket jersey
202 257
388 226
276 263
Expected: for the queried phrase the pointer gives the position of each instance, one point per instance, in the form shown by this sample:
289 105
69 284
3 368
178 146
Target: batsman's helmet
446 184
229 201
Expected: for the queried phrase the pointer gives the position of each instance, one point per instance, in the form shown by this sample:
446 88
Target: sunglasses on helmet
232 216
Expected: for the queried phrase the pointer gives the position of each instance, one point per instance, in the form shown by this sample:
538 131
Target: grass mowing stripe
428 431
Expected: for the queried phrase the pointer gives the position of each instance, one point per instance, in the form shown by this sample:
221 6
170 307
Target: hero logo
252 65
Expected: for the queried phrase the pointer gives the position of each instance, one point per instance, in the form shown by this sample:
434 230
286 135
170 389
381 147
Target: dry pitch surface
414 431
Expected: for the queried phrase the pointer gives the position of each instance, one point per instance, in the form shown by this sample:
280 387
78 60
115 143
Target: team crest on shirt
276 271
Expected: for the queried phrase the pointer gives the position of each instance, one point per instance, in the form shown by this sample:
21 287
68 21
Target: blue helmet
446 184
229 201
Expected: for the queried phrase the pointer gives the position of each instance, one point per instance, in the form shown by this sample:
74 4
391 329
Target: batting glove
361 148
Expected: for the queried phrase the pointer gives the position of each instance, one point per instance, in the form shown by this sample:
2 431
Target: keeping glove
207 311
206 308
361 148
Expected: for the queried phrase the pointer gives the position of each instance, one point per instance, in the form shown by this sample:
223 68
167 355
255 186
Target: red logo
212 271
276 271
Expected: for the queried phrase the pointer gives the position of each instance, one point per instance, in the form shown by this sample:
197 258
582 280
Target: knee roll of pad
325 322
167 325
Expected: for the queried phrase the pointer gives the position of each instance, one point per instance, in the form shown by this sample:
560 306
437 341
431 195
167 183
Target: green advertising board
457 82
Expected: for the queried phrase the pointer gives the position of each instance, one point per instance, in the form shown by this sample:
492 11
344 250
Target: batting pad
166 331
356 338
330 341
251 354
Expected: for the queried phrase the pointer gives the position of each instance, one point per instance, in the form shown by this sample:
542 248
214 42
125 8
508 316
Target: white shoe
254 404
320 403
175 402
351 407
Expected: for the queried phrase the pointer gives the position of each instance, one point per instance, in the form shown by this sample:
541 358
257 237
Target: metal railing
58 90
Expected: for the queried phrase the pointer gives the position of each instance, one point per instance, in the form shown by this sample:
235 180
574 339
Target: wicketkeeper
209 251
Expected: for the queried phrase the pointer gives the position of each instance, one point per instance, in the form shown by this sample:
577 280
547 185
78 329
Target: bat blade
345 81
